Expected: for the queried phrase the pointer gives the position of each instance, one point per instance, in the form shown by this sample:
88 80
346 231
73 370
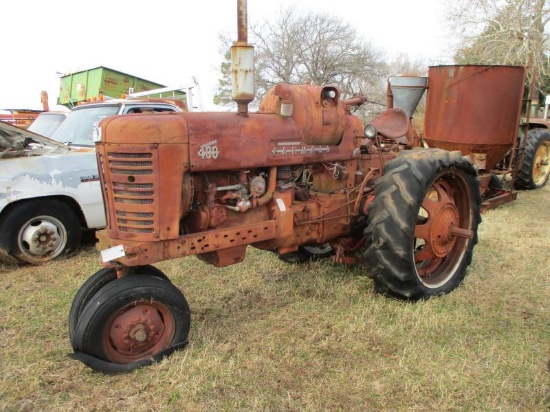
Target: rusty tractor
303 178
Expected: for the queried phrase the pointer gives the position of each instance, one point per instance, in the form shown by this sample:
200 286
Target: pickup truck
49 188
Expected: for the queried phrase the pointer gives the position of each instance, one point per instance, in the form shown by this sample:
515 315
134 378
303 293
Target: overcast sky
170 41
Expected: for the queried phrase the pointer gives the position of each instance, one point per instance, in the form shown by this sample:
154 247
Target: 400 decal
209 150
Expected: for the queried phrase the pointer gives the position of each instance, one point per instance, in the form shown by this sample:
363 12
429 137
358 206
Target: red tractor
303 177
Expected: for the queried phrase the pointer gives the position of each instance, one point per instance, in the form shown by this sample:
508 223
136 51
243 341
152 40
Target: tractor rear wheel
422 224
133 319
535 170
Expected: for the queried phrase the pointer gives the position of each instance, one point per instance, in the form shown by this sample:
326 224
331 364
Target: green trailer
89 84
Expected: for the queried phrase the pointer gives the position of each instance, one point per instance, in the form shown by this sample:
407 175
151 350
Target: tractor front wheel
132 319
422 224
96 282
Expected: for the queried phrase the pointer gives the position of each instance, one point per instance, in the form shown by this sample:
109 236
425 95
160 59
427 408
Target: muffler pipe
242 63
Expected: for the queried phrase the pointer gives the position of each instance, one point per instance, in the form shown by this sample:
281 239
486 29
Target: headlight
370 131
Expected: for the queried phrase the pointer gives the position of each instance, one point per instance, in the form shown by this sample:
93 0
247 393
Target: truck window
77 129
47 123
133 110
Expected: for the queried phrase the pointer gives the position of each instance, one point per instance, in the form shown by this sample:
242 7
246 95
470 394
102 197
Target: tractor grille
132 191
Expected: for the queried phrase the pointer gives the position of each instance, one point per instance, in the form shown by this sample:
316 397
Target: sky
170 42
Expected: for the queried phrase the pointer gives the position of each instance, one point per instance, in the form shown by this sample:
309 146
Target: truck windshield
47 123
77 129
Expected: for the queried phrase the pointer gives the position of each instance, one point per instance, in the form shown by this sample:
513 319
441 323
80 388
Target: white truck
49 188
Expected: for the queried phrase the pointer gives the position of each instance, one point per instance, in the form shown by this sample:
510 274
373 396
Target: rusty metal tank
475 109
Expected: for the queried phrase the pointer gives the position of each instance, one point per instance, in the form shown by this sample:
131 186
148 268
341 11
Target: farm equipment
303 177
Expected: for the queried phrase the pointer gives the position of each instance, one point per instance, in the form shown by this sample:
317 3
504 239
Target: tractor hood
16 142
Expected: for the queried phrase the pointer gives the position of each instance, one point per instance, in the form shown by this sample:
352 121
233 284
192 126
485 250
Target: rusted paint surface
242 64
242 21
392 123
20 118
474 109
217 141
494 202
143 252
319 115
142 327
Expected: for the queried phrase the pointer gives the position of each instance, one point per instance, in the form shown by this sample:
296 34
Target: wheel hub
138 333
442 238
41 238
136 330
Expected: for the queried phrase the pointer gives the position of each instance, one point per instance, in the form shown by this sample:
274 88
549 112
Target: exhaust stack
242 63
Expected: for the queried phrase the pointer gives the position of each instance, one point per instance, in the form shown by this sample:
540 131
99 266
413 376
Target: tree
223 94
311 47
502 32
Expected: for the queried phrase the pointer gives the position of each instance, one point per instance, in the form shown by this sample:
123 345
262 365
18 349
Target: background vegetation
313 47
269 336
503 32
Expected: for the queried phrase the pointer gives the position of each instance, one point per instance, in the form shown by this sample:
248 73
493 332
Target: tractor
303 178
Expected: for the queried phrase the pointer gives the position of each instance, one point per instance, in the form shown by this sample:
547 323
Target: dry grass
268 336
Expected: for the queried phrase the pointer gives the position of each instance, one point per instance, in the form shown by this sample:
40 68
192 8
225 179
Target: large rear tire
132 319
535 170
422 224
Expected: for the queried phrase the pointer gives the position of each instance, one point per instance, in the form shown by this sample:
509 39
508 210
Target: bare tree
502 32
311 47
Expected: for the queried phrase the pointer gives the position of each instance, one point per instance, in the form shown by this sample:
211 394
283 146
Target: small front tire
132 319
98 281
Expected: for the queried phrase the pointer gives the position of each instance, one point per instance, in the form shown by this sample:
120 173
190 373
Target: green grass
269 336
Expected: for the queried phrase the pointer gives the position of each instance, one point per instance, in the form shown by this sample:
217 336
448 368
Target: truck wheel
39 231
96 282
307 253
133 319
422 224
534 170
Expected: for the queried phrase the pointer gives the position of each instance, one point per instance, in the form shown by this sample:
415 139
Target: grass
269 336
